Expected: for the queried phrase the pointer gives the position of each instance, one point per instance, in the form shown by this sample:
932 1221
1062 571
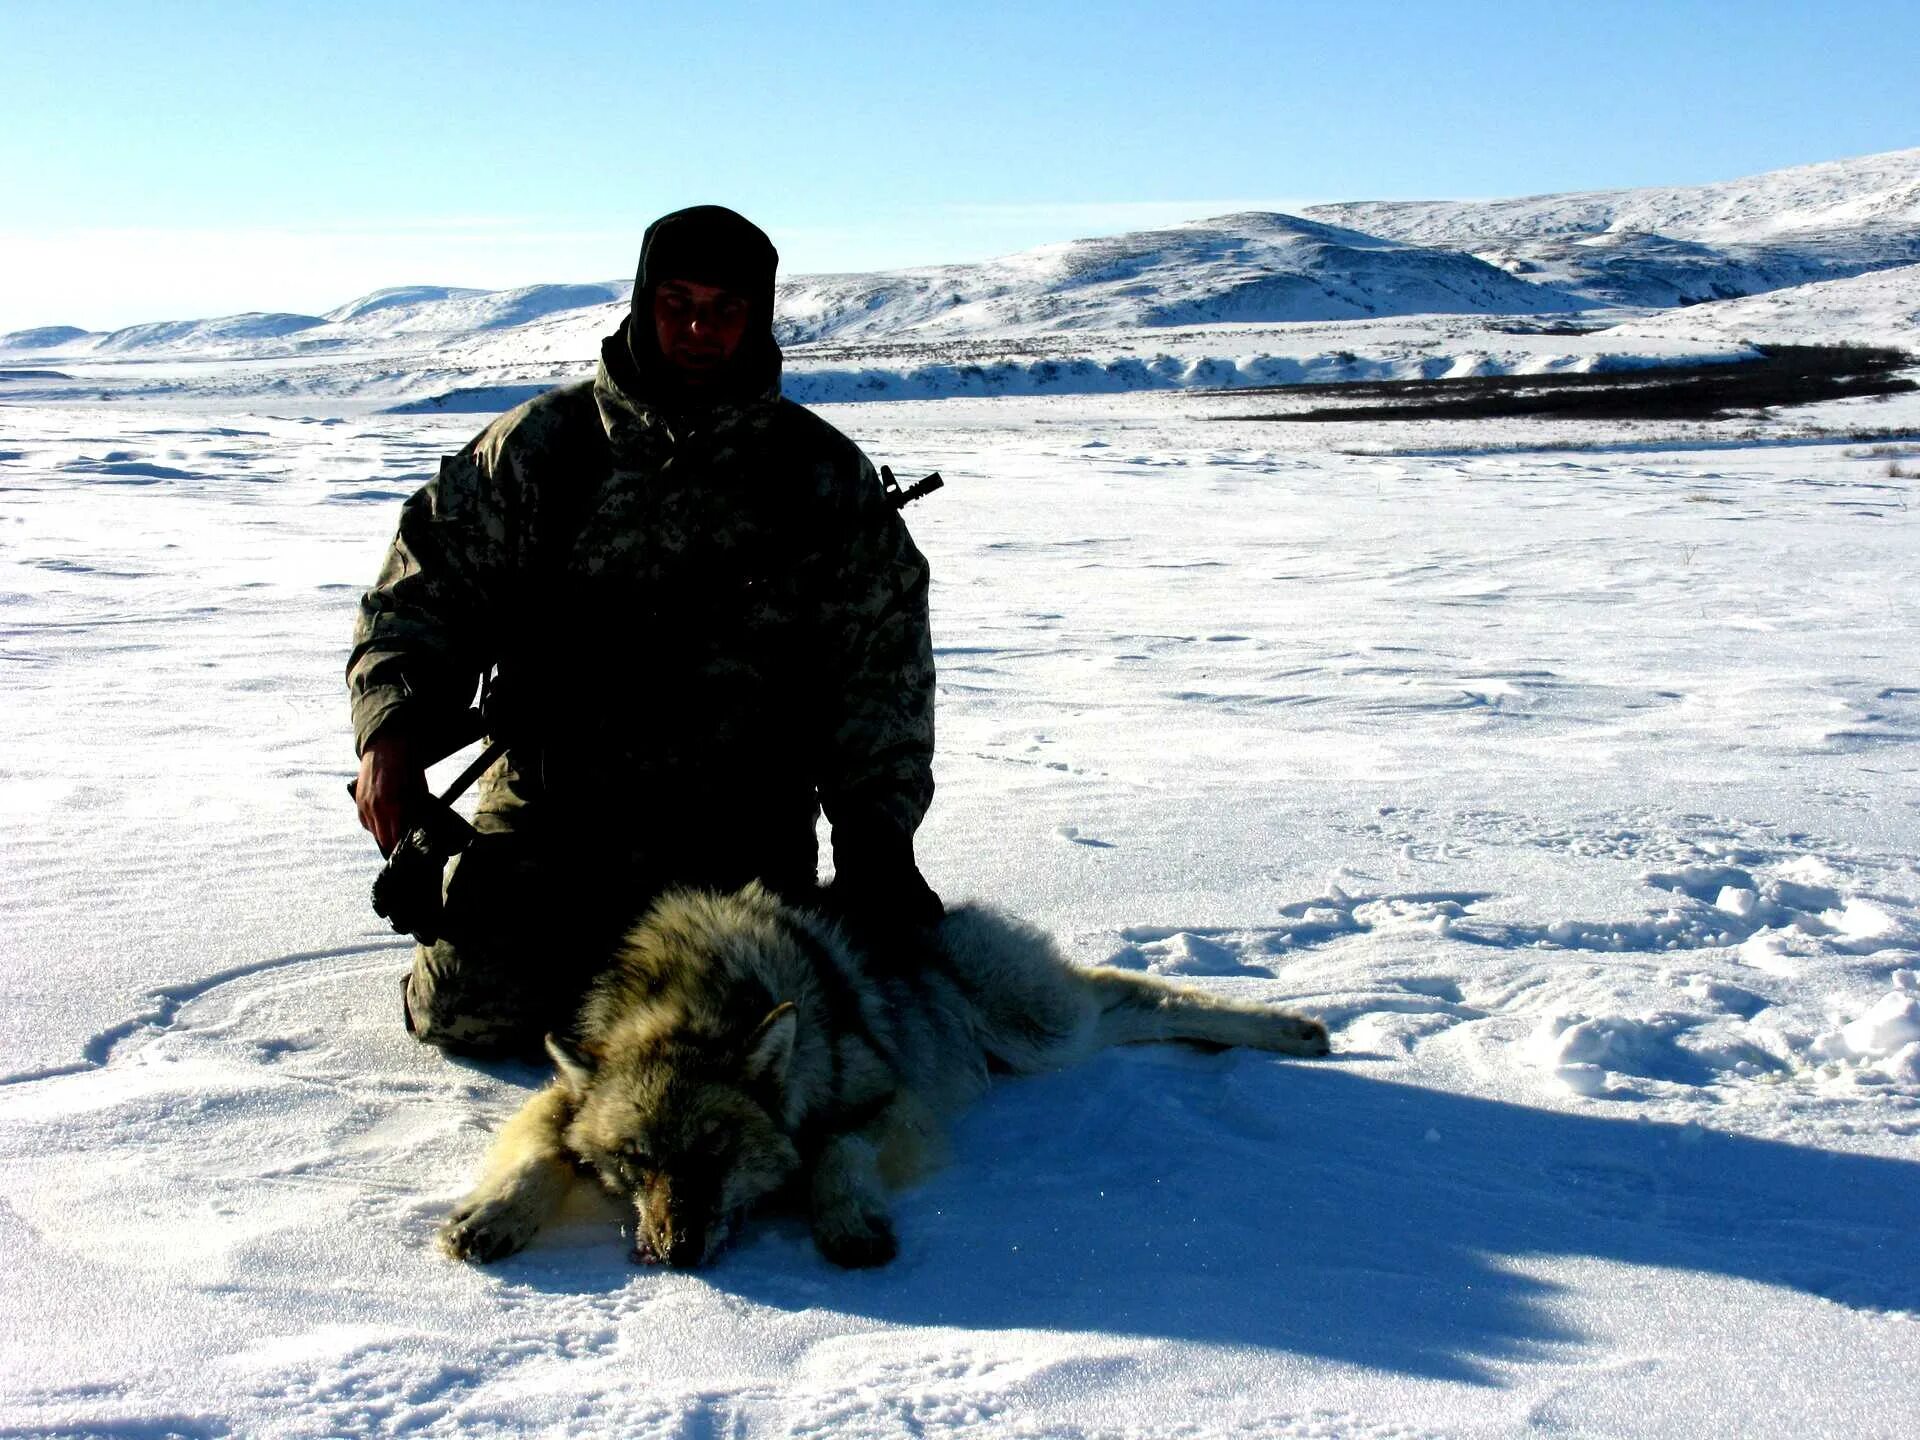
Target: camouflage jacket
722 616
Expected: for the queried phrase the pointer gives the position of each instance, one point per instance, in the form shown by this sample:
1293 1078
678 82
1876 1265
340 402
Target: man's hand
391 783
879 895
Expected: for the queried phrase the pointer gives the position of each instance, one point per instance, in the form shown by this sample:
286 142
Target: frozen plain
1575 789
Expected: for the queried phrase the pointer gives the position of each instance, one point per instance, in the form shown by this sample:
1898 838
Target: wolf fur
739 1046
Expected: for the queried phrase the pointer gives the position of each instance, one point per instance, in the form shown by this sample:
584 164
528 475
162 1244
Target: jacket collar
641 418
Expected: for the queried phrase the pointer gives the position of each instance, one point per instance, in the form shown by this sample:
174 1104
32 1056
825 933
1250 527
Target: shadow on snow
1235 1200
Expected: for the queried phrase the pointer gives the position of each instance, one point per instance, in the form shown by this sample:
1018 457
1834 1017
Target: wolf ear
575 1065
771 1047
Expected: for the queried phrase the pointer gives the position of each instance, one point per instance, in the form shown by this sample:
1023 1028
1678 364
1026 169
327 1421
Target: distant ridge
177 334
1650 248
397 296
46 337
1252 267
1668 245
421 308
1872 190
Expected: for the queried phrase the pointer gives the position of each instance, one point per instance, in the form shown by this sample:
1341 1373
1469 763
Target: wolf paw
859 1242
482 1230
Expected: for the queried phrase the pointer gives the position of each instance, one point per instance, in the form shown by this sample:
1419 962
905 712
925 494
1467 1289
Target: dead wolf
739 1046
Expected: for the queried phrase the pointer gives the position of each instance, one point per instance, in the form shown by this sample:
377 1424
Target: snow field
1575 791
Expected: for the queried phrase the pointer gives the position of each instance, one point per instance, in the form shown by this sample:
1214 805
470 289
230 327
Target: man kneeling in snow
707 623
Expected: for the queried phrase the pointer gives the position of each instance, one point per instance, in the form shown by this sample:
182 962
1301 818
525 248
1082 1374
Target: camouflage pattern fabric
708 627
526 918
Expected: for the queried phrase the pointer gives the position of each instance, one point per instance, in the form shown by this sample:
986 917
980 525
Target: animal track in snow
1720 906
1228 950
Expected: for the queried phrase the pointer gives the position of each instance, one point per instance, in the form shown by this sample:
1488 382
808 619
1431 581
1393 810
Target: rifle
406 892
903 498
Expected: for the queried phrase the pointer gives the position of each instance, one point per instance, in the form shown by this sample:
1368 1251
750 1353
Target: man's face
698 326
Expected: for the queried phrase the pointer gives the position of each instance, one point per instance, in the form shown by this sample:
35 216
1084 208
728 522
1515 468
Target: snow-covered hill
1250 267
1880 308
1639 268
415 317
223 332
44 337
1253 267
1124 312
410 297
1247 268
435 310
1668 245
1874 190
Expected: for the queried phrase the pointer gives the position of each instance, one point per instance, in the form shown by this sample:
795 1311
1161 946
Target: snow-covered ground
1578 790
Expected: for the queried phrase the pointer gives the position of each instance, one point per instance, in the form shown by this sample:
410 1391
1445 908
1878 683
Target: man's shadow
1303 1207
1240 1200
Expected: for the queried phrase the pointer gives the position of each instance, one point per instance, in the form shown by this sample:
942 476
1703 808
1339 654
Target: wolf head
684 1127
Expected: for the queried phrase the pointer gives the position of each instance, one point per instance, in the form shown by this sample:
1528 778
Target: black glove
878 894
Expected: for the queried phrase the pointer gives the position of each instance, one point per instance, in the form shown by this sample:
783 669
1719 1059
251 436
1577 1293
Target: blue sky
167 160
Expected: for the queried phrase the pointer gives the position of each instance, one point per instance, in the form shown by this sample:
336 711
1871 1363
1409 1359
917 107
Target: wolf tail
1135 1008
1034 1010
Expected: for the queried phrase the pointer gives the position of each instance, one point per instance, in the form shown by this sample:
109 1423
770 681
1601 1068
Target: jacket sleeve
429 627
876 775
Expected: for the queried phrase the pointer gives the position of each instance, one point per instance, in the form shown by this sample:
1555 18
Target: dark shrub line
1783 375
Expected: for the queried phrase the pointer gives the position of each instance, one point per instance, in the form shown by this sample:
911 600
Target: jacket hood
714 246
